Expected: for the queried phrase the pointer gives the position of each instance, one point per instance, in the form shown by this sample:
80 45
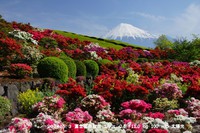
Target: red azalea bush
72 92
20 70
9 50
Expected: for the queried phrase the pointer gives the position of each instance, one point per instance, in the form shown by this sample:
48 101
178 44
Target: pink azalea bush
194 107
48 124
94 103
169 90
137 104
19 125
52 105
78 116
130 126
130 114
105 115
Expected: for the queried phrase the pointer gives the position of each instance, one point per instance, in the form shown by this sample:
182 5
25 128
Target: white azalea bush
27 37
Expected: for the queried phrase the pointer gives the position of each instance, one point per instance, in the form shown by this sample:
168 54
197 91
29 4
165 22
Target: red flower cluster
71 91
9 49
20 70
112 89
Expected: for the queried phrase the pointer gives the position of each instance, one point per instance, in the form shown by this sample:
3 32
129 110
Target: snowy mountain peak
129 31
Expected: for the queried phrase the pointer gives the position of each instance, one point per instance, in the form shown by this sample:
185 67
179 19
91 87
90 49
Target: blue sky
176 18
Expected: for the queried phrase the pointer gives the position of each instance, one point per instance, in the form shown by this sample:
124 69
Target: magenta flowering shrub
177 112
156 115
48 124
19 125
194 107
137 104
169 90
130 114
78 116
94 103
130 126
52 105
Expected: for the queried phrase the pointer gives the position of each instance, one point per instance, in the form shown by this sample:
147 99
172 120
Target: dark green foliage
71 65
104 61
187 50
53 67
92 68
5 106
48 42
80 68
142 60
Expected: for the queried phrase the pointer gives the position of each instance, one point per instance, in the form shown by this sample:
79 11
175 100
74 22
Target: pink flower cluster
178 112
169 90
78 116
19 125
105 115
131 126
156 115
52 105
137 104
94 102
48 124
130 114
194 107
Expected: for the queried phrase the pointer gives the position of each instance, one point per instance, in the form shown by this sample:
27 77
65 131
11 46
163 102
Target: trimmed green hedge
81 68
53 67
92 68
71 65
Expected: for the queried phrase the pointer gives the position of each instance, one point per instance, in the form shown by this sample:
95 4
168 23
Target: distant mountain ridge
131 34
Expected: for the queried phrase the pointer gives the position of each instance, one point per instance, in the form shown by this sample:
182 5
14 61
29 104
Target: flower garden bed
96 89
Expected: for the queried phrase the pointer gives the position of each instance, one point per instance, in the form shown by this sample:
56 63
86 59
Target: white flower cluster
154 123
94 55
102 127
23 35
47 123
184 119
195 63
32 54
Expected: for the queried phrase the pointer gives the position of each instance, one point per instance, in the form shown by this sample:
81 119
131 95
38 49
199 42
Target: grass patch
102 42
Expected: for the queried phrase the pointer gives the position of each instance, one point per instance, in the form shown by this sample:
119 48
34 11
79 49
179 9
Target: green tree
163 42
187 50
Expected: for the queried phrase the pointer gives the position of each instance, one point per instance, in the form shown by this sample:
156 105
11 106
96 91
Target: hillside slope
102 42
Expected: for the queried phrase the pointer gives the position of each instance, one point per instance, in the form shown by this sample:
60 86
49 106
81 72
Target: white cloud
188 22
150 16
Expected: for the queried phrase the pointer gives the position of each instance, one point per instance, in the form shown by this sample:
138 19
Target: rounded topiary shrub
92 68
5 106
80 68
53 67
70 64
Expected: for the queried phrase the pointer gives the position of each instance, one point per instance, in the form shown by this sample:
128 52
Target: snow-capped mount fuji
131 34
